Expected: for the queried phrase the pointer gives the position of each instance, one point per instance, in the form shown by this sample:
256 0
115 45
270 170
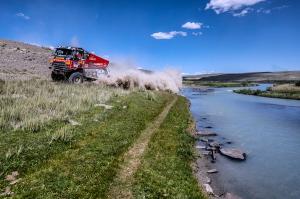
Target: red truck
76 65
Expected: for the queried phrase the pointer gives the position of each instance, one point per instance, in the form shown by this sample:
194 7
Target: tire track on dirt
121 187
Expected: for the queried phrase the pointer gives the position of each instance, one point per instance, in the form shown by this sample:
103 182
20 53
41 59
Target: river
267 129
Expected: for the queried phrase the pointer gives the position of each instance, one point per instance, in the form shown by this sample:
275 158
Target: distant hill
21 61
251 77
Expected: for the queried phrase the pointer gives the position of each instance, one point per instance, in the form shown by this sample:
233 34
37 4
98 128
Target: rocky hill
22 61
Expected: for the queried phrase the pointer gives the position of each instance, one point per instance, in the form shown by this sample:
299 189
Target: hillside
22 61
251 77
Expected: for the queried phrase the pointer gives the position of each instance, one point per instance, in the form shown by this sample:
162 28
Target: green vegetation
77 152
165 171
64 161
216 84
31 104
285 91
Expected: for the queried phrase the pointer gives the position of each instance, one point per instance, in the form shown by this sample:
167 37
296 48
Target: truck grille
59 67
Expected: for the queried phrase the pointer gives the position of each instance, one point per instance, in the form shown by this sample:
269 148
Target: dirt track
121 187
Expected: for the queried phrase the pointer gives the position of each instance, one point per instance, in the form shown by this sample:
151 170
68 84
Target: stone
212 171
214 144
233 153
15 181
15 173
231 196
208 127
200 147
208 180
10 178
208 188
203 140
104 106
206 133
205 153
7 192
73 122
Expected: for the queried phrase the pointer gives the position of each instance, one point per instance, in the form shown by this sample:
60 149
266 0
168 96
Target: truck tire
55 77
76 78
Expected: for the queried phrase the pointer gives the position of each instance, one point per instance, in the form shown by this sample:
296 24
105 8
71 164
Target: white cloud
197 33
168 35
221 6
192 25
242 13
22 15
269 11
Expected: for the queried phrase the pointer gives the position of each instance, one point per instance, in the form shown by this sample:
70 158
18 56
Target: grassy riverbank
284 91
216 84
72 146
165 171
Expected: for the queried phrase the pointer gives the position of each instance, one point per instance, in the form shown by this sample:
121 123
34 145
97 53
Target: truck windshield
63 52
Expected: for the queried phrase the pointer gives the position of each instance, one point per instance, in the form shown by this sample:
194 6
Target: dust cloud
125 74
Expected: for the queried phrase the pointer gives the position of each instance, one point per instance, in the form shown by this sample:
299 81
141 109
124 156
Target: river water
267 129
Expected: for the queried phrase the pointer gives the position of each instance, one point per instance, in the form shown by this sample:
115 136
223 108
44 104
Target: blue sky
221 36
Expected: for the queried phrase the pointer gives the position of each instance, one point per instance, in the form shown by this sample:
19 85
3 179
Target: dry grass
30 104
286 88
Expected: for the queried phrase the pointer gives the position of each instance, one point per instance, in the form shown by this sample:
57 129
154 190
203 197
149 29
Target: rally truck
76 65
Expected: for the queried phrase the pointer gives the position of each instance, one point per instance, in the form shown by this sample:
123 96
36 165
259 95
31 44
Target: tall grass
285 88
30 104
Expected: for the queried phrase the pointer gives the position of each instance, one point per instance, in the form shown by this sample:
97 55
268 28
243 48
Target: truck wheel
76 78
55 77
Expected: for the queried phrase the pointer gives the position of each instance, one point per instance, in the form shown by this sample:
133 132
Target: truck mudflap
94 73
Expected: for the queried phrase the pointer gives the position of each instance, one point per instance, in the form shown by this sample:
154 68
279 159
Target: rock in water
208 180
233 153
231 196
214 144
212 171
203 140
200 147
206 133
208 189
